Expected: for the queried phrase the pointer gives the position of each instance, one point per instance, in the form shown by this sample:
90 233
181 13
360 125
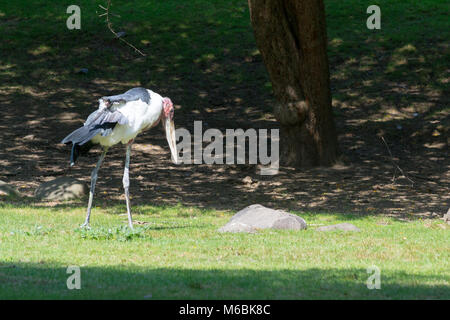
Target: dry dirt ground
366 182
412 118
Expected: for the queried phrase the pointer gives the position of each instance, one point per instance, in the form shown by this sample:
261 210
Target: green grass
179 254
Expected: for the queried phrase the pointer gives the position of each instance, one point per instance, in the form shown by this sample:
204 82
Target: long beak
170 135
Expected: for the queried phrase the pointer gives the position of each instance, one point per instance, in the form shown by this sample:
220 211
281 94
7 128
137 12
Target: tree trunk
291 36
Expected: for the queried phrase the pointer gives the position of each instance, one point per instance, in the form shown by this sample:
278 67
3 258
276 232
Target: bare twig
396 167
109 24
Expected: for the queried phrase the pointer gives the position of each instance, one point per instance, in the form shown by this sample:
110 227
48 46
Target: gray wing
105 115
131 95
101 122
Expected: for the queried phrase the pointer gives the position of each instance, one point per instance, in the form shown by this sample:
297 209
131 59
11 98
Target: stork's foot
85 226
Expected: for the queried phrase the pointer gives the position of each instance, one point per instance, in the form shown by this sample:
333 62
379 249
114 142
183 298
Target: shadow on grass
40 281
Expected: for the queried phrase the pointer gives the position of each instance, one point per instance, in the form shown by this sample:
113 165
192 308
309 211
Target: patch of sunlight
183 26
267 117
365 68
184 35
145 42
399 59
444 80
393 111
7 70
353 94
7 66
8 89
205 57
335 102
255 52
366 60
214 22
336 42
435 145
421 107
2 14
213 68
208 56
341 75
388 117
351 61
32 91
408 48
40 50
8 73
396 61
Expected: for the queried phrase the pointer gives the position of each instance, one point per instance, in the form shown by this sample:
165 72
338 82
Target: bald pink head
168 108
169 127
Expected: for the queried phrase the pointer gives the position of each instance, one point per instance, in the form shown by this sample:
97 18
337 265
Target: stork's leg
91 192
126 183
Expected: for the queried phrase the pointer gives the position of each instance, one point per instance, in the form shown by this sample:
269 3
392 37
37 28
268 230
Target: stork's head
169 127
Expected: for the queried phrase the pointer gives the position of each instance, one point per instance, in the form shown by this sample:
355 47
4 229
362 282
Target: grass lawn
179 254
199 51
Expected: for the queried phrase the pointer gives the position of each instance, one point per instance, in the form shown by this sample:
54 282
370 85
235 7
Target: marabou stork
121 118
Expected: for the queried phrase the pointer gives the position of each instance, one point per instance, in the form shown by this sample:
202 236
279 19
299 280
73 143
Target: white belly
140 116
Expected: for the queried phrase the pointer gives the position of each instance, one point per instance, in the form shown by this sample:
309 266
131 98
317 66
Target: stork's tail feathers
78 150
80 136
81 143
101 121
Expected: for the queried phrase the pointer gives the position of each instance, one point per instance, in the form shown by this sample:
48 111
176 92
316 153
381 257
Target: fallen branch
109 24
396 167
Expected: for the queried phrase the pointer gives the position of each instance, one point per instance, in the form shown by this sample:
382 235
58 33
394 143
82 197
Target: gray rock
237 227
63 188
7 190
340 226
447 216
256 217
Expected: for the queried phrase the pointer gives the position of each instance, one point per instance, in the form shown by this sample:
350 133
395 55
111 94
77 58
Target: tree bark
291 36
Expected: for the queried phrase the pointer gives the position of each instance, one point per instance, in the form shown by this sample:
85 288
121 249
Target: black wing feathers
101 122
79 150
